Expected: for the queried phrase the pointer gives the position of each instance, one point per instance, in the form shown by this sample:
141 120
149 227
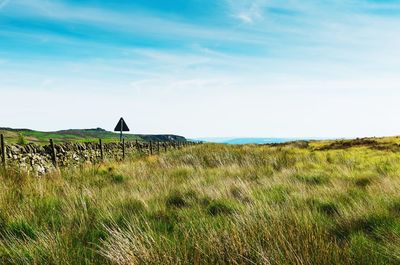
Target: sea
233 140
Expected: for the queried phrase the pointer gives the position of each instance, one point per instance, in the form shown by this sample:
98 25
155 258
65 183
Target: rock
39 169
14 149
40 150
75 157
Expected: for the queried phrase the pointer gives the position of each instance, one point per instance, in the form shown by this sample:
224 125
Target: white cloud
246 18
247 11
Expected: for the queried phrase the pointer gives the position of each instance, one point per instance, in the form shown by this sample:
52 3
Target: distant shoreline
255 140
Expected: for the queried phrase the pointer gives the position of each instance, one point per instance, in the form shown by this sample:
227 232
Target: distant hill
79 135
249 140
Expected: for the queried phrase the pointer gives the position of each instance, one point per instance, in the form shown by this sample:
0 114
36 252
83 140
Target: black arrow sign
121 127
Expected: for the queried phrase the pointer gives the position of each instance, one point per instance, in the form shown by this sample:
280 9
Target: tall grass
209 204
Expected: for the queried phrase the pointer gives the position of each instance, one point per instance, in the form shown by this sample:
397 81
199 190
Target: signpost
121 127
3 151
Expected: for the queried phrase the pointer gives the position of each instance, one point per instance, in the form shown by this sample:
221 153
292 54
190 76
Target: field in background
78 135
326 202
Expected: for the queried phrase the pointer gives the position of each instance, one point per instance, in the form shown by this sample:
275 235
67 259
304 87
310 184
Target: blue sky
198 68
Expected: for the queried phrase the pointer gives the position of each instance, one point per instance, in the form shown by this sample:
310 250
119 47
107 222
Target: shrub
22 229
328 208
175 200
117 178
219 207
370 225
363 182
21 139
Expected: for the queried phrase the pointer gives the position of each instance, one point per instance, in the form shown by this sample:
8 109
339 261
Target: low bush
363 182
175 200
219 207
117 178
22 229
328 208
21 139
371 225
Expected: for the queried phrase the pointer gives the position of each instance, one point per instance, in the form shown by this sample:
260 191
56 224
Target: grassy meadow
298 203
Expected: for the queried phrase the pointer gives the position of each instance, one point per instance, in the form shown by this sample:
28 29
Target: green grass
210 204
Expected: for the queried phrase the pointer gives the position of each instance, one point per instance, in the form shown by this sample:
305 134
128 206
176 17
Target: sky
202 68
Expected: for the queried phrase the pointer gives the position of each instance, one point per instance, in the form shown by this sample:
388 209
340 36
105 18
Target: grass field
299 203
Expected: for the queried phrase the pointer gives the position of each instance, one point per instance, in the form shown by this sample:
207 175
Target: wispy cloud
247 11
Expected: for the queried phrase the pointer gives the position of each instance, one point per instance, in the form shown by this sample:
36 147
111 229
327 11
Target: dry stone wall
38 159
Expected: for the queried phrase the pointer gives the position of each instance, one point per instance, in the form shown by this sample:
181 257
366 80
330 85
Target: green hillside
78 135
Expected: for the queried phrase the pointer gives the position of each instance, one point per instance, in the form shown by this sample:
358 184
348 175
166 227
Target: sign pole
120 136
101 150
123 149
3 152
53 153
